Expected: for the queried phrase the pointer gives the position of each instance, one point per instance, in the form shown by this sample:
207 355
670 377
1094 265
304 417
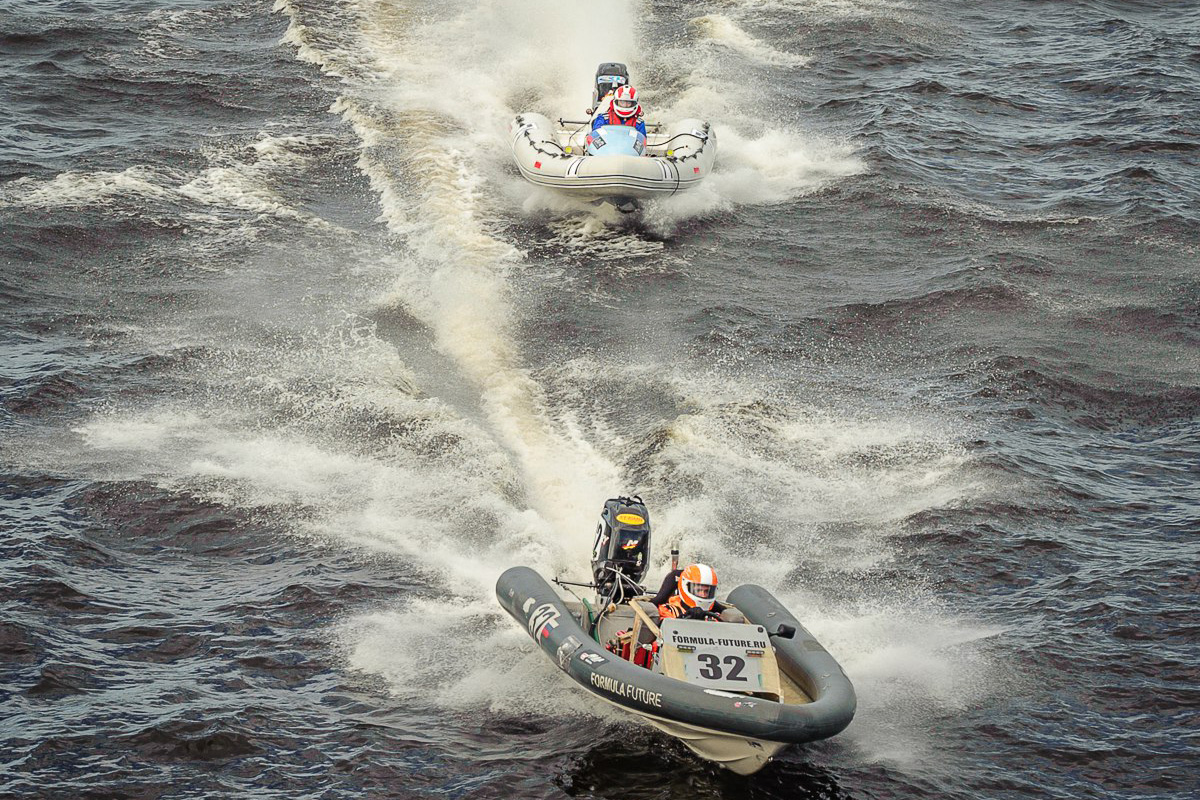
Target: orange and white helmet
698 586
625 102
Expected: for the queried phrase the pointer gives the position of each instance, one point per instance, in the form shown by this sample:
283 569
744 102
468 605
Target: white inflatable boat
612 161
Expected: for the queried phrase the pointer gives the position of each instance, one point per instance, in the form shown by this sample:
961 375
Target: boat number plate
718 655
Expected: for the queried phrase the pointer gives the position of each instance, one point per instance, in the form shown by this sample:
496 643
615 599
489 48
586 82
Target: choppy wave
237 190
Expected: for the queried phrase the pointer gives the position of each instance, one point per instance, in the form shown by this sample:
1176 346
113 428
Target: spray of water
810 502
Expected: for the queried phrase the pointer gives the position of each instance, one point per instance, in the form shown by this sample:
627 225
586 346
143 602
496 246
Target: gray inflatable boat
735 690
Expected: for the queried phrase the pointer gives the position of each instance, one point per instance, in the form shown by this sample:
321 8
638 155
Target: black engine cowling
622 547
609 76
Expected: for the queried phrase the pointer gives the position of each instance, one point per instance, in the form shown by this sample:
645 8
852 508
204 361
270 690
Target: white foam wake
427 95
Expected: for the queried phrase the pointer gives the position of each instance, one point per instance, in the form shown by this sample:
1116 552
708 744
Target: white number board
719 655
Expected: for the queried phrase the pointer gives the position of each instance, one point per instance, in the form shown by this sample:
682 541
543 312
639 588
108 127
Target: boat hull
741 754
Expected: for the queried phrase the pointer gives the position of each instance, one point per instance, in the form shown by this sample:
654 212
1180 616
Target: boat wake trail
435 153
431 161
424 118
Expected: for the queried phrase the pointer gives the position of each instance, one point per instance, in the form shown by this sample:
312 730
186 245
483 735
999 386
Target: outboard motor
609 76
622 550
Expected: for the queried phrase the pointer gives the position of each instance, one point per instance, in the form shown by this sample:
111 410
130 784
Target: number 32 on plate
715 668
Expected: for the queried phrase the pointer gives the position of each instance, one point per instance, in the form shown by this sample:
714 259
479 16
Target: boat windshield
616 140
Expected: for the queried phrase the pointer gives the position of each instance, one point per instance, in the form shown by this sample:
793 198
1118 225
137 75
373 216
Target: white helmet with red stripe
698 586
625 103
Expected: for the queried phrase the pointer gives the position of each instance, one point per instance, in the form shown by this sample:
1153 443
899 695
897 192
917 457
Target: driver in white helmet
623 109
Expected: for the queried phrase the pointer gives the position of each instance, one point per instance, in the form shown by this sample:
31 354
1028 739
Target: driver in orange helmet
689 593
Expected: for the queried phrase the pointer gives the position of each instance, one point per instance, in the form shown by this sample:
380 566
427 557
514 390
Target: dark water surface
296 365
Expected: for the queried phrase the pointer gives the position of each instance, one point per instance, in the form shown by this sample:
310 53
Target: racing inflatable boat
736 690
612 161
